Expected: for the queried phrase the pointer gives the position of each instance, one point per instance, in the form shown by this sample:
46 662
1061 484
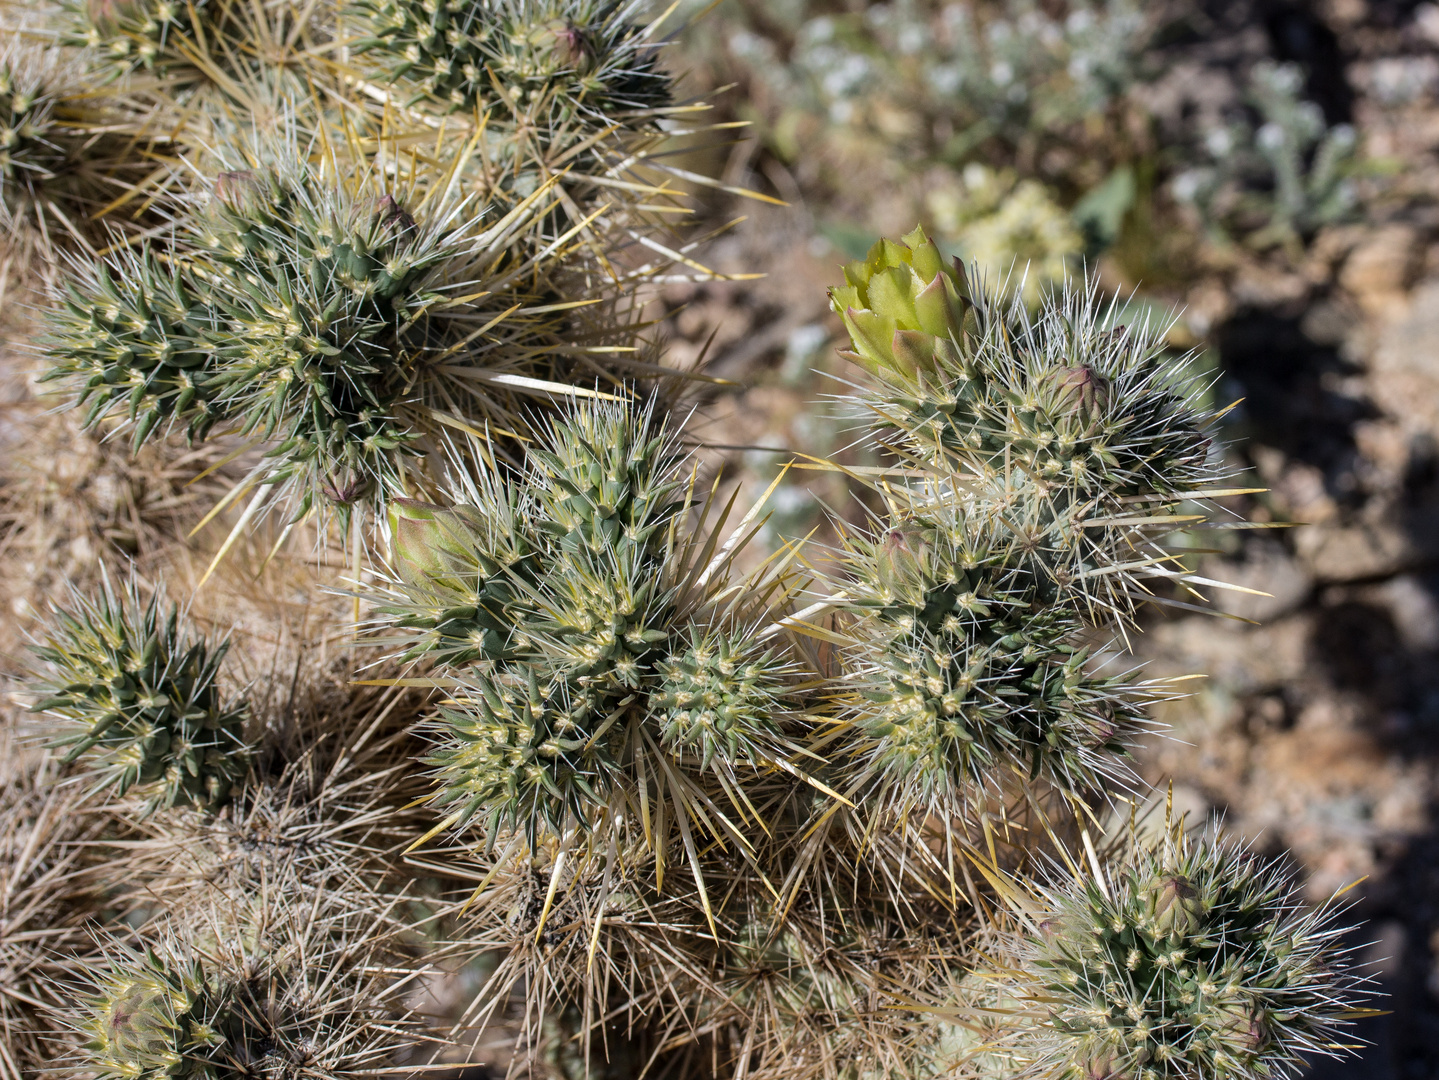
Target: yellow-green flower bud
901 304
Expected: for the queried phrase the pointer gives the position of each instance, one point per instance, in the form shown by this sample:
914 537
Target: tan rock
1379 272
1352 552
1405 364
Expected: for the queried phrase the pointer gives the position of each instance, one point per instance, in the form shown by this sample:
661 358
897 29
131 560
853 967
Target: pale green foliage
1012 230
942 79
1192 959
137 696
1281 182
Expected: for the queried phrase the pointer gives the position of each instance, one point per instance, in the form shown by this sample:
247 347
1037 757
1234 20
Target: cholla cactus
138 697
132 35
61 161
1280 183
577 620
1184 958
184 43
32 145
1078 406
1085 438
315 314
152 1019
583 62
273 987
720 698
1033 442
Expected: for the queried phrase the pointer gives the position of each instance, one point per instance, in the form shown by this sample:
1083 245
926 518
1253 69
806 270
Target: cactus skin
152 1019
1196 961
259 984
579 621
584 61
138 697
522 756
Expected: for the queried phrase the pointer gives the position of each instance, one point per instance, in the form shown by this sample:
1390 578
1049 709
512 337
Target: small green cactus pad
521 757
138 699
580 63
151 1019
1193 960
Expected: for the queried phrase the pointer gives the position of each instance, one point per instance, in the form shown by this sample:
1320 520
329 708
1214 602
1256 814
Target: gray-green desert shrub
1280 182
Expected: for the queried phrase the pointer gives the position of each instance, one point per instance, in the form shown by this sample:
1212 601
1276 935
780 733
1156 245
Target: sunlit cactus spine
62 163
305 307
136 695
972 599
584 63
187 44
1185 957
1084 440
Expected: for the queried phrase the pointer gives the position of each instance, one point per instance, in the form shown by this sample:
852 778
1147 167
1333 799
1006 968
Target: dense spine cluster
32 146
1031 440
308 311
1187 959
583 61
139 698
582 643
